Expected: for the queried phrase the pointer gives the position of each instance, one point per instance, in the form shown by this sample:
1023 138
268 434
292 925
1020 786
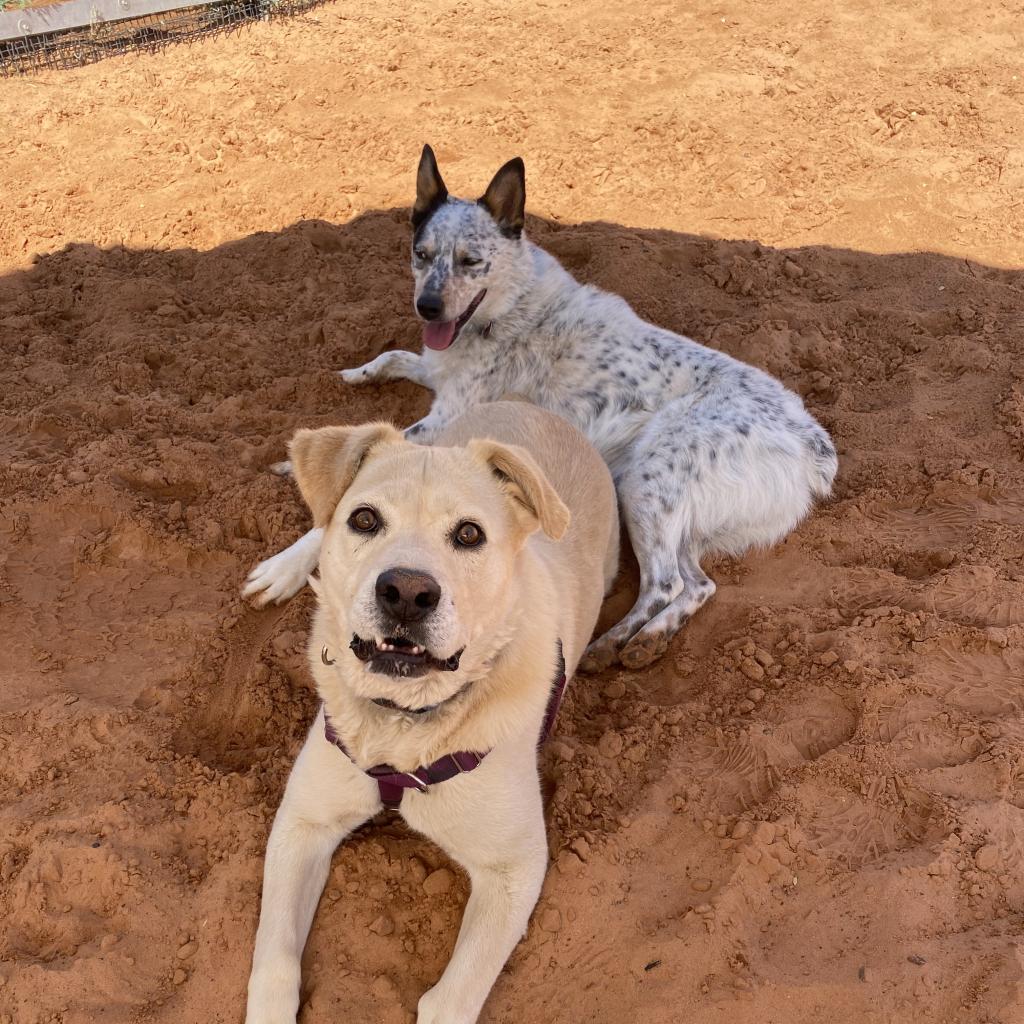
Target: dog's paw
643 650
275 579
437 1007
282 468
358 375
273 997
597 657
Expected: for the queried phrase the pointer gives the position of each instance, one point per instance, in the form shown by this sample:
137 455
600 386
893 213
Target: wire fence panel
35 44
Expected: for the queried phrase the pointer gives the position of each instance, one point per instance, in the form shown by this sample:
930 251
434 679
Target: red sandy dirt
813 808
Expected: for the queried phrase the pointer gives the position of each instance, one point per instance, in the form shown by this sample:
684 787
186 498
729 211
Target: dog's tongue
439 334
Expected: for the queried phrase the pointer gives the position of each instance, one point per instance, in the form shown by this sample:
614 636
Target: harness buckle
417 781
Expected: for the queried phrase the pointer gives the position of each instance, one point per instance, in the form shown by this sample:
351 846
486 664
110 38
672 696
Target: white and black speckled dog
708 454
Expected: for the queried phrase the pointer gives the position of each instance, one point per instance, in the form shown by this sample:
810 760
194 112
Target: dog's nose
407 595
429 307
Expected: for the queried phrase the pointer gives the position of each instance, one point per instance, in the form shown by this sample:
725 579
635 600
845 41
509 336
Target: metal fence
77 32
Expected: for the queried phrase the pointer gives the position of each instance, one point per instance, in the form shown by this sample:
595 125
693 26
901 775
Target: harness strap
554 700
392 784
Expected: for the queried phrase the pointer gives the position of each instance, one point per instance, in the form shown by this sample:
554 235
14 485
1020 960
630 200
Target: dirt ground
817 810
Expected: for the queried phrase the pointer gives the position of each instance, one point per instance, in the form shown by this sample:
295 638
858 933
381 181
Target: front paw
424 431
273 997
597 657
358 375
436 1006
276 579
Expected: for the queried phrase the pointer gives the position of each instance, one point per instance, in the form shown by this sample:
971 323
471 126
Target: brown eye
364 520
468 535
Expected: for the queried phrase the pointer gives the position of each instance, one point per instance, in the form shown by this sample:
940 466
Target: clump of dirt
810 808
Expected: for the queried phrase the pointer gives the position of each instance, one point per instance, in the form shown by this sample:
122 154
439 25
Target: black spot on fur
744 429
821 447
421 224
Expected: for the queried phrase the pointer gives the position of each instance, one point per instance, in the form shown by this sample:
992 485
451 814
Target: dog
709 455
457 583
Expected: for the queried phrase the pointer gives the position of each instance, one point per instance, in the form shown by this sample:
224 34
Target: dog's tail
824 463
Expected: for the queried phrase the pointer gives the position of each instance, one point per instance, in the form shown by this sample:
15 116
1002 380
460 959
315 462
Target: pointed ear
430 188
505 198
326 461
525 483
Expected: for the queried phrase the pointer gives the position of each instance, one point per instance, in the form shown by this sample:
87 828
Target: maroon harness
392 784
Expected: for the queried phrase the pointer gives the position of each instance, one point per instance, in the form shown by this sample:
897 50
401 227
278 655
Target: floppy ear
505 198
326 461
524 481
430 188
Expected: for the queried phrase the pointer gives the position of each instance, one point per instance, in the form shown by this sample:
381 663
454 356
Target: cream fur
508 604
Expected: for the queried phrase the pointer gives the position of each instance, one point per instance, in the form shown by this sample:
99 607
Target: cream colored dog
451 578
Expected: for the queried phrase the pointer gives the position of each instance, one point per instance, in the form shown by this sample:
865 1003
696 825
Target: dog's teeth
416 649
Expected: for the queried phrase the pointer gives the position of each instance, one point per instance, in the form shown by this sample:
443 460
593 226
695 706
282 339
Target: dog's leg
395 365
285 574
325 799
652 639
500 842
660 584
656 510
728 471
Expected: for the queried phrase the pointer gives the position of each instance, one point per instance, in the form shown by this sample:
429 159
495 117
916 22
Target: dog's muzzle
440 334
399 656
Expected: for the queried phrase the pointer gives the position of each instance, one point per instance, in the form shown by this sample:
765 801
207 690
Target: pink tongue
439 335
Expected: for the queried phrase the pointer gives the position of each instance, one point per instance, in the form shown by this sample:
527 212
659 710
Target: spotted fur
709 455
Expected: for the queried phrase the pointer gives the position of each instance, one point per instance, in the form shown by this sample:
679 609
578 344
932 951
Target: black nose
429 307
407 595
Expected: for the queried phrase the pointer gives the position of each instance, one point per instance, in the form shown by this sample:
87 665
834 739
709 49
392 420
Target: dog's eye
421 254
364 520
468 261
468 535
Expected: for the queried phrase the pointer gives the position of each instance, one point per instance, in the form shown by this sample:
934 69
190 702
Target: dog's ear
430 188
505 198
326 461
525 483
